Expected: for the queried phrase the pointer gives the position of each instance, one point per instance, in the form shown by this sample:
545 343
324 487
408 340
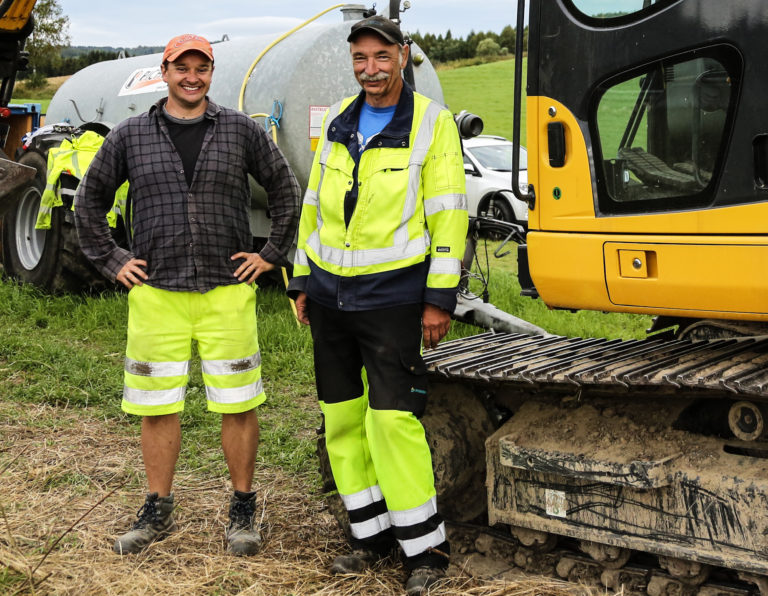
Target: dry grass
58 466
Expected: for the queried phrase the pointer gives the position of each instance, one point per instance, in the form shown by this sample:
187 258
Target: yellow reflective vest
405 239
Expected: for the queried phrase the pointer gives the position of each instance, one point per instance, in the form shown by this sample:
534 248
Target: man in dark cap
378 262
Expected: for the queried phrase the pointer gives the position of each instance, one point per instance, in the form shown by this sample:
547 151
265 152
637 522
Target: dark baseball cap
379 25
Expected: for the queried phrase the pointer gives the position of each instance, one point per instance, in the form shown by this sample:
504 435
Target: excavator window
662 134
616 10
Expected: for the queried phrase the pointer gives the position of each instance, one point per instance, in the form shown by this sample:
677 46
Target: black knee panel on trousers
386 342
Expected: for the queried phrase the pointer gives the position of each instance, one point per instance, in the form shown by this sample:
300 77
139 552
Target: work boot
422 579
242 537
155 521
357 561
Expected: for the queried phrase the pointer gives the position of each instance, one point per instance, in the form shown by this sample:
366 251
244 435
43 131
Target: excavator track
736 368
489 553
637 465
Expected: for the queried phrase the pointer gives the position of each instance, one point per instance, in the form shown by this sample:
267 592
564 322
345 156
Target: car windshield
498 157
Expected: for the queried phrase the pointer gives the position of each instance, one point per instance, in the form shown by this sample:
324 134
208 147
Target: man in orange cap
190 272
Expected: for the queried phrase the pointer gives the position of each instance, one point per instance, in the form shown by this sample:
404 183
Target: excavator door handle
556 140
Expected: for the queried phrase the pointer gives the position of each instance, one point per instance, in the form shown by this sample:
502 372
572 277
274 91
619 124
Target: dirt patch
68 486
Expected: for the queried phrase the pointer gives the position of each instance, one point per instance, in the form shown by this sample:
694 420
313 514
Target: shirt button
341 303
181 171
379 143
193 219
347 244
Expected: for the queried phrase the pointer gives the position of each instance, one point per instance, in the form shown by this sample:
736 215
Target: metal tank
305 73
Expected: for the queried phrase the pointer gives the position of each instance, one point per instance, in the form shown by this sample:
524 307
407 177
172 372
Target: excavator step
735 368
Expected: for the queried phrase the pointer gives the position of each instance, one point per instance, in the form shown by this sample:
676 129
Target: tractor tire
49 259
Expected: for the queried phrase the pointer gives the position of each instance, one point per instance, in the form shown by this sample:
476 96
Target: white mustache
381 76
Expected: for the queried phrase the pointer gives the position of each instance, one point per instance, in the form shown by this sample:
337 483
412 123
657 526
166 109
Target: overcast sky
121 23
154 22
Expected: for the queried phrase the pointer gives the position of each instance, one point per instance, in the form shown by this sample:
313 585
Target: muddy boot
155 521
242 537
422 579
357 561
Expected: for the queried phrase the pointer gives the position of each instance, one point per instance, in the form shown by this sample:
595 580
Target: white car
488 167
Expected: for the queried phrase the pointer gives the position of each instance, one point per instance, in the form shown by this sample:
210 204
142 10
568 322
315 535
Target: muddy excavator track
502 553
672 505
736 368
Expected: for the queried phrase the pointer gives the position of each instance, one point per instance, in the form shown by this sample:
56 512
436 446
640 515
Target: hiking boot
155 521
242 537
422 579
357 561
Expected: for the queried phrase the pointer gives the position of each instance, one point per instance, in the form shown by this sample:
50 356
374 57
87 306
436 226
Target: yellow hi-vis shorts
161 327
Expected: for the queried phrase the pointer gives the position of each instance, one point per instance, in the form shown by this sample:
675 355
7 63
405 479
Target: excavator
641 464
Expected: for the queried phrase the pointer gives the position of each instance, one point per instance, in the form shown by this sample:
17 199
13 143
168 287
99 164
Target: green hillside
485 90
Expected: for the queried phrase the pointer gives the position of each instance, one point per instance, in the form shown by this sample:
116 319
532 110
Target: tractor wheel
49 259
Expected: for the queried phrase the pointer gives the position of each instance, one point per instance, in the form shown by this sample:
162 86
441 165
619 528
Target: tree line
57 65
444 48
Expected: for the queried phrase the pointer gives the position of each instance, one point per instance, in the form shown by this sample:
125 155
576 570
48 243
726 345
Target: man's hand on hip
251 267
435 323
301 308
132 273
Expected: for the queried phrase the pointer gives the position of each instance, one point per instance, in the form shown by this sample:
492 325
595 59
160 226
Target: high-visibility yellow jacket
73 156
405 238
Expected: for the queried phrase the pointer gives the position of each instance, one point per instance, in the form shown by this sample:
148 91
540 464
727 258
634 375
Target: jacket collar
343 129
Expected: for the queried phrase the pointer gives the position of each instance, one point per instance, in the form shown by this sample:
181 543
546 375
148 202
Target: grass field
43 95
485 90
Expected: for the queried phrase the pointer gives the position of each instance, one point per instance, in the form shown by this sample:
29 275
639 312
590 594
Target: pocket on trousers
413 393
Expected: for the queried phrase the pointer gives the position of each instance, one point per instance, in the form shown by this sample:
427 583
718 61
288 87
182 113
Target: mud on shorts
161 327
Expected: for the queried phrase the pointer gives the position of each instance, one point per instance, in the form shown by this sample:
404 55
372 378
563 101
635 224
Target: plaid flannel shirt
187 234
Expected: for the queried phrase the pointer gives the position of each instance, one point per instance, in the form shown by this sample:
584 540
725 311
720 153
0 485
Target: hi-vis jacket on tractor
73 157
406 210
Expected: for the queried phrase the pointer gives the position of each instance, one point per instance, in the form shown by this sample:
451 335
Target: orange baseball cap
186 43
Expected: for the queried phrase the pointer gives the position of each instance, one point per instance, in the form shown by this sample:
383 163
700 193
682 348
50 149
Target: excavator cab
651 182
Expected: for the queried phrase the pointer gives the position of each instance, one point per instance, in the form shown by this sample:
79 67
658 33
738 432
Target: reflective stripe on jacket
73 157
409 223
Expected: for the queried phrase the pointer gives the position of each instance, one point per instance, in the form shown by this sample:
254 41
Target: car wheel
499 208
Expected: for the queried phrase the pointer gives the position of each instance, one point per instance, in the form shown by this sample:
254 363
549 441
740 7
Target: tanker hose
275 123
241 99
